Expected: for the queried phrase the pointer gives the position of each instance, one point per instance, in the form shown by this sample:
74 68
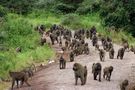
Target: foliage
119 13
18 6
64 8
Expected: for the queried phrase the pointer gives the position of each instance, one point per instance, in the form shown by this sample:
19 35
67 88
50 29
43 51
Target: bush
3 11
71 20
65 8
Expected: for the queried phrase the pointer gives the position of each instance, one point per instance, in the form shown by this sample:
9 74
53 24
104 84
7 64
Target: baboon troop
80 72
62 64
107 72
96 70
76 44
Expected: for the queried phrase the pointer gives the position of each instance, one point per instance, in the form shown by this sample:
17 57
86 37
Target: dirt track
52 78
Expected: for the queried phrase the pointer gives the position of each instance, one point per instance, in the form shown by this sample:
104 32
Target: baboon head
75 66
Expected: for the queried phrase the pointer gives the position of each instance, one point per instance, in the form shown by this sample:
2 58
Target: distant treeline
117 13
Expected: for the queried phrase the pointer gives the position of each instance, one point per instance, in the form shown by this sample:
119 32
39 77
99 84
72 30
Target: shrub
64 8
71 20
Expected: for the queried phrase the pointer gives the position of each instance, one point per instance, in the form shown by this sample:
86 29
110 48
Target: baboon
121 52
102 54
97 46
87 34
111 53
109 39
92 32
86 50
19 76
53 38
110 45
94 40
42 41
63 48
126 45
108 72
62 64
132 49
80 72
71 57
96 70
60 42
18 49
76 52
66 43
29 71
124 84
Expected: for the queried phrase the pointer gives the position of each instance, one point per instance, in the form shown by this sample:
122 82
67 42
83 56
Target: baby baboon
108 72
71 57
62 64
121 52
102 54
124 84
96 70
19 76
111 53
80 72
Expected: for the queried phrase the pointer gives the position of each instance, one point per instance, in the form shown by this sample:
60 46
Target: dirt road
52 78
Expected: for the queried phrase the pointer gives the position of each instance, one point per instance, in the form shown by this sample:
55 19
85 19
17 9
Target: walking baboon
71 57
86 50
102 54
124 84
97 46
94 40
62 64
111 53
19 76
80 72
96 70
60 42
66 43
108 72
121 52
